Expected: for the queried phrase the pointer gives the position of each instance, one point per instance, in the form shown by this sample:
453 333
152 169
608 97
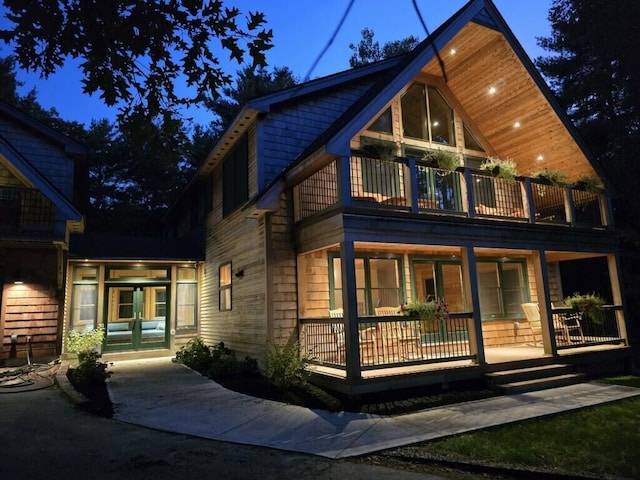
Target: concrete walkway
167 396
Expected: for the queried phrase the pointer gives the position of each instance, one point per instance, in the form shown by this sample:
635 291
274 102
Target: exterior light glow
452 51
492 90
540 158
516 125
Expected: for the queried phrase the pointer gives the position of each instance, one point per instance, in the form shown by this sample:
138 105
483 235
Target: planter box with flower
429 315
444 160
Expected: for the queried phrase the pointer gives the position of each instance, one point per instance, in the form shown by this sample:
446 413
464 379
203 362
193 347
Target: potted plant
589 304
551 177
428 313
590 184
505 169
382 149
444 160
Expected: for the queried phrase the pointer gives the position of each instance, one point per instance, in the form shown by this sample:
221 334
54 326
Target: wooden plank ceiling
483 59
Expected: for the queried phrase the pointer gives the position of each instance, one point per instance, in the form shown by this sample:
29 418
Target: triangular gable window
470 142
382 124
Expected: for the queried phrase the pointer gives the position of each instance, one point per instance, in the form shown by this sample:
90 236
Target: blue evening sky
301 31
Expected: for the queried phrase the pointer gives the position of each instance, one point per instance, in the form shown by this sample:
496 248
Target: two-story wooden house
42 196
326 209
325 214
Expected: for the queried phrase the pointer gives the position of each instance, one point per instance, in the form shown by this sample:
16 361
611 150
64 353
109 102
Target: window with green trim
438 279
186 298
378 282
502 288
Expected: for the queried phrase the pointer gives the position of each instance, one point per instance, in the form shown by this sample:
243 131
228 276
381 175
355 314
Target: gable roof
31 174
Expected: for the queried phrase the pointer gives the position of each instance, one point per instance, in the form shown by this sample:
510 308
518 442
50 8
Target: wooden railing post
413 177
530 202
468 180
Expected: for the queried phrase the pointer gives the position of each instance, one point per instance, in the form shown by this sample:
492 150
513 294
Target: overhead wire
330 42
424 25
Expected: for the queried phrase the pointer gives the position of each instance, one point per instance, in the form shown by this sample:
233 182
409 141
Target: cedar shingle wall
50 160
289 129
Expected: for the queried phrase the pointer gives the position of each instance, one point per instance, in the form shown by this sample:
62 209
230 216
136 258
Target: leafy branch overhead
151 56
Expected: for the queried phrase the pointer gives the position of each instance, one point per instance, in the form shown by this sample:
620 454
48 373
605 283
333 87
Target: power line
424 25
333 37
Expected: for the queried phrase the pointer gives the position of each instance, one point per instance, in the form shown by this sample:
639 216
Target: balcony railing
388 341
412 186
25 210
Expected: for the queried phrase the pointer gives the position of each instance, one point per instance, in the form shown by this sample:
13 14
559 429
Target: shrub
90 370
216 361
84 341
286 366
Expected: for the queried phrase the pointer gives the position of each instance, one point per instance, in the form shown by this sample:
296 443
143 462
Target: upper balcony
412 186
25 211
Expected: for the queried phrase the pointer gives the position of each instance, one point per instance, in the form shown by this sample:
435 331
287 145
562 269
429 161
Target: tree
595 73
134 53
368 51
250 83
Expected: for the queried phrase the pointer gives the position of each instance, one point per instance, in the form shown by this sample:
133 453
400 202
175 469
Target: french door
136 317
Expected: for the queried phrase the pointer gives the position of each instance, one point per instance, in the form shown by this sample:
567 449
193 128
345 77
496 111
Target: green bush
286 366
90 370
216 361
84 341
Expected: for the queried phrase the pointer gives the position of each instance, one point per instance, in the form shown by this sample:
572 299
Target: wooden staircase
530 379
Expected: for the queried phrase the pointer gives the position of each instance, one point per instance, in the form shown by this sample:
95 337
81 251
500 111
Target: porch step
523 380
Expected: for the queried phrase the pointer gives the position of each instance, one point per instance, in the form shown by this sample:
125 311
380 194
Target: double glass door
136 317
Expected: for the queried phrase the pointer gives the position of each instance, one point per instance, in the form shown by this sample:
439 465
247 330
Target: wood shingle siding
291 128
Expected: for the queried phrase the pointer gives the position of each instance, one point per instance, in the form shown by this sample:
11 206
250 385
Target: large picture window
426 115
225 287
503 288
378 282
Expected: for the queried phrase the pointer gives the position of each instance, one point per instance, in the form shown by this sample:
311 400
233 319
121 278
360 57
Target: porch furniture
366 335
532 312
565 323
399 338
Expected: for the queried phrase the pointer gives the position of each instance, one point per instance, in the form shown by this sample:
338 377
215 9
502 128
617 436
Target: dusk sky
301 31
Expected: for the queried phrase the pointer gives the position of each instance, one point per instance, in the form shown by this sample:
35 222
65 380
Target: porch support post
614 278
470 278
344 181
541 274
350 307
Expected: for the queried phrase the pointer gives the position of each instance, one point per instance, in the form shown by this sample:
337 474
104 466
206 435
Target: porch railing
578 330
388 341
412 186
25 209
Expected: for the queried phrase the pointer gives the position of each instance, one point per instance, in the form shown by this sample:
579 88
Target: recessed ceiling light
516 125
540 158
492 90
436 123
452 51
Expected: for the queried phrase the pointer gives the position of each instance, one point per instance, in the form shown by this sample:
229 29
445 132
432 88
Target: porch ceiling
484 59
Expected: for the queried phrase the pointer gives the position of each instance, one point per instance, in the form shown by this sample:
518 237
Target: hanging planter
551 177
505 169
588 184
444 160
589 304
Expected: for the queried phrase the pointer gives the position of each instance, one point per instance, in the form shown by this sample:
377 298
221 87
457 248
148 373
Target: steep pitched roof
35 178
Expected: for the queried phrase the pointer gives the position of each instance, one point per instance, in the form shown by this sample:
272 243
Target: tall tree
368 50
595 72
135 53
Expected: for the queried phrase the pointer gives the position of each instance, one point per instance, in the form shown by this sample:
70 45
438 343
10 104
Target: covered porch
360 335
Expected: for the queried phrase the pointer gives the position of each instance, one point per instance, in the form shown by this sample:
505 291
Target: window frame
235 177
225 288
525 290
186 283
367 289
438 264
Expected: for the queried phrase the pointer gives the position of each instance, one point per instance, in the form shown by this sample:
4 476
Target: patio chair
399 338
532 312
565 323
367 338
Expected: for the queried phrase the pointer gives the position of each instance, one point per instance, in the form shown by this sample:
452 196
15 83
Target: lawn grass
601 441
